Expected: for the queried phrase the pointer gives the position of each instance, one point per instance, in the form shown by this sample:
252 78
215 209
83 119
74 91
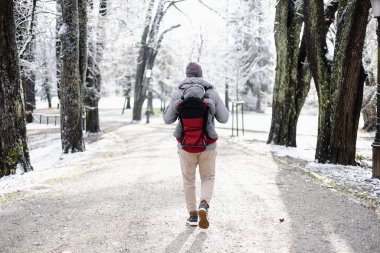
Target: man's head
193 69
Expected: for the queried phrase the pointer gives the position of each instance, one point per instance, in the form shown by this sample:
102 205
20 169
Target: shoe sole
192 223
203 222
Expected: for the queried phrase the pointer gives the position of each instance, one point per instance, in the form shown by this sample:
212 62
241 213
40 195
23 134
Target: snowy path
128 198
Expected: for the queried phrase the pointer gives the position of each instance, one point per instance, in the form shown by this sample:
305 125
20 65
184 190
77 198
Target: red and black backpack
193 115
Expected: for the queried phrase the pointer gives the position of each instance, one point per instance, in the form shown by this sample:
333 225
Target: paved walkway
129 199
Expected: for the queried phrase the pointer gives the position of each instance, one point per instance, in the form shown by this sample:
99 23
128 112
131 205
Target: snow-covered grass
49 162
353 178
45 148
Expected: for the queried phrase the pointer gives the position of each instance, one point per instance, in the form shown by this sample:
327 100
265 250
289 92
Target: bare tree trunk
147 53
258 94
83 55
71 118
47 88
339 83
29 95
93 80
348 79
127 91
150 108
315 33
58 25
29 82
82 13
92 93
46 85
139 95
13 144
292 81
260 43
26 53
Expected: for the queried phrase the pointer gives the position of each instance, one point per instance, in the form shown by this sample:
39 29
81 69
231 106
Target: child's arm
175 105
211 106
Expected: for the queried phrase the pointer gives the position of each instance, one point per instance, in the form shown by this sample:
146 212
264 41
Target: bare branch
181 11
211 9
156 22
30 30
158 44
172 3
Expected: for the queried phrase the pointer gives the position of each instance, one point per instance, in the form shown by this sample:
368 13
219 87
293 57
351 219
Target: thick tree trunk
92 96
92 93
348 79
13 145
292 76
302 87
315 32
339 83
71 118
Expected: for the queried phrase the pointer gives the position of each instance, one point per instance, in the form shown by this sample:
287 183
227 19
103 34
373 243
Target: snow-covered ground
356 180
49 162
45 148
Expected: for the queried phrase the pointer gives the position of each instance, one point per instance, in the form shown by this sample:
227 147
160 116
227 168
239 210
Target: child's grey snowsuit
197 91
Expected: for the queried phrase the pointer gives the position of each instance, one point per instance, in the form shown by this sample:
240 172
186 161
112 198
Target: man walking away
195 148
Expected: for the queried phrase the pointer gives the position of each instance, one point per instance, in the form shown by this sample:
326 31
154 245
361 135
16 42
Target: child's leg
210 128
178 130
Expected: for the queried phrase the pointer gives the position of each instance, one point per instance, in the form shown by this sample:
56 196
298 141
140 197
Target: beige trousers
206 162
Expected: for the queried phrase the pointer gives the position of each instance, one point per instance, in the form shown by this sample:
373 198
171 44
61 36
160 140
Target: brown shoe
193 219
203 215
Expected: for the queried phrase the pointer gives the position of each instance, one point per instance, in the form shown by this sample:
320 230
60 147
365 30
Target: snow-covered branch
172 3
30 30
211 9
161 37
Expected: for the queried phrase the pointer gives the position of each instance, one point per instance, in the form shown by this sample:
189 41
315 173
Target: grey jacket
221 112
